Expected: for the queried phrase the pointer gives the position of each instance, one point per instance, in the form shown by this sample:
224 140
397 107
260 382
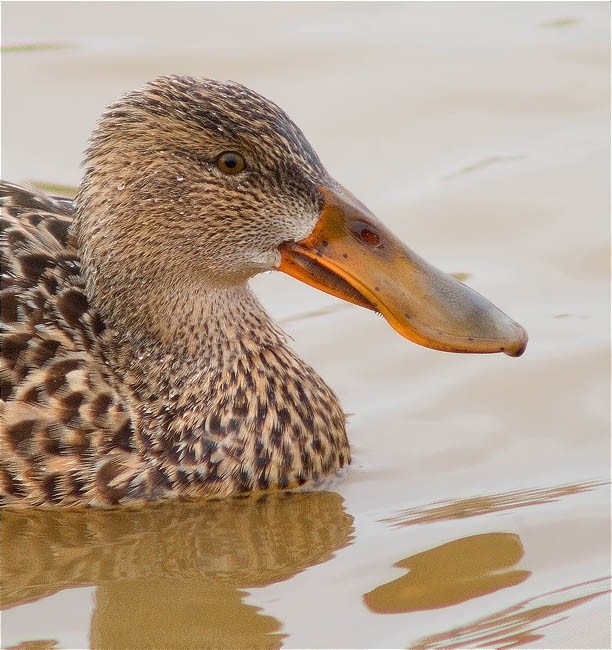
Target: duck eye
230 162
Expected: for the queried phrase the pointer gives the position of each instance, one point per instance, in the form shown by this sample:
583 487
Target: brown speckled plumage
136 363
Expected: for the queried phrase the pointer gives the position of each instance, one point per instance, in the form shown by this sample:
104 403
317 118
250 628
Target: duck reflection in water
172 576
452 573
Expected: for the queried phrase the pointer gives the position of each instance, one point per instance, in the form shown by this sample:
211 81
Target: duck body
84 424
137 365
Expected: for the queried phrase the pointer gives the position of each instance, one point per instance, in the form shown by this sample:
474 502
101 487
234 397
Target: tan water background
477 509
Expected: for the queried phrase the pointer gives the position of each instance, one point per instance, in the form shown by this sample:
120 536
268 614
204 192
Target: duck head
203 184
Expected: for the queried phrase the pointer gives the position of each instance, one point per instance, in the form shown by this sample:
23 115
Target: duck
137 363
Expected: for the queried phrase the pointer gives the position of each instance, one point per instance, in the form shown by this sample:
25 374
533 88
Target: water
476 511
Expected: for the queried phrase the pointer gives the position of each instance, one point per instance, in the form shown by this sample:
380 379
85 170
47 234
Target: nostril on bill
369 237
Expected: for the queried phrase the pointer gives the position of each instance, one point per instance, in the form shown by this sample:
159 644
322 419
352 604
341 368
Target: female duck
137 364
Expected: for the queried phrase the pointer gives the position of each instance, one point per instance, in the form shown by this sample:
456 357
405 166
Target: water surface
476 511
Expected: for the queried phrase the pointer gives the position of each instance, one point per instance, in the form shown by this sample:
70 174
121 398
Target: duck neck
181 337
218 393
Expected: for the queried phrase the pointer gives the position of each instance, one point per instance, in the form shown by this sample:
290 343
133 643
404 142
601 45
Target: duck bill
351 255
